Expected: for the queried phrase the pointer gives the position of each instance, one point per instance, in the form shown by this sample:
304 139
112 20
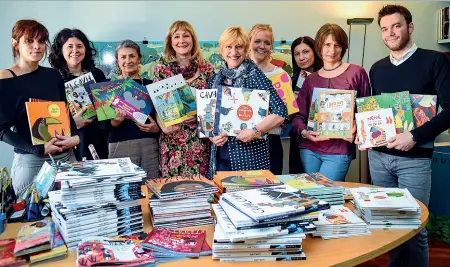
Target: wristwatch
256 132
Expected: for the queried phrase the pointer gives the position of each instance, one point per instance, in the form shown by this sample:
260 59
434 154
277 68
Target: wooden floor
439 256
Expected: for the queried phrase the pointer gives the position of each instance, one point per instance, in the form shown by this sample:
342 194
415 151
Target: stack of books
387 208
98 197
7 254
339 222
180 201
264 224
317 185
234 181
167 244
58 252
35 237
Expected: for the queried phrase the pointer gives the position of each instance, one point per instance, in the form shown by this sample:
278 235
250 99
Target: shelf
444 41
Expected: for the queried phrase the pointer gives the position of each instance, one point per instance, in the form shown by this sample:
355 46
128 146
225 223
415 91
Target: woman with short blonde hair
234 35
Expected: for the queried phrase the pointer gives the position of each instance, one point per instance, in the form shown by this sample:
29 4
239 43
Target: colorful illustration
314 108
250 179
35 237
77 94
7 254
95 168
58 251
206 110
130 111
374 128
45 179
335 113
102 94
46 120
423 108
282 85
180 184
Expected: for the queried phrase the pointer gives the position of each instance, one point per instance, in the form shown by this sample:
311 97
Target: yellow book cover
46 119
282 85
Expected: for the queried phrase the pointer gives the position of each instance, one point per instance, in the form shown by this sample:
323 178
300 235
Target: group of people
177 150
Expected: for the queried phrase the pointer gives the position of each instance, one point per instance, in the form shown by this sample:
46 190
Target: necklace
340 63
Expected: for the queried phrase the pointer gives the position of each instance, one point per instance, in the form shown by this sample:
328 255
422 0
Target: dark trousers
295 163
275 154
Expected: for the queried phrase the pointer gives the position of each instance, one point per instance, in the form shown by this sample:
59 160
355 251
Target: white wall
115 20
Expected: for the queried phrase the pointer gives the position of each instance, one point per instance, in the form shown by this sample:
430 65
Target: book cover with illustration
95 168
239 109
374 128
313 182
35 237
423 108
178 242
77 94
314 108
45 179
58 251
46 119
7 254
246 179
181 186
384 198
206 111
338 215
335 113
102 94
282 85
173 99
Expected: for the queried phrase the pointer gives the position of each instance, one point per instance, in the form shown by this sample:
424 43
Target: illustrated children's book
239 109
384 198
178 187
58 252
35 237
46 120
7 258
102 94
95 168
314 108
173 99
45 179
374 128
246 179
338 215
282 85
206 111
423 108
77 94
335 113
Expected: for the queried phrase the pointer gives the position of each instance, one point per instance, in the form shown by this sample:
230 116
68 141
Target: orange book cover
257 178
46 119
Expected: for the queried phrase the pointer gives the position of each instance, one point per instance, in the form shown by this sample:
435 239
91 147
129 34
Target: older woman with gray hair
127 138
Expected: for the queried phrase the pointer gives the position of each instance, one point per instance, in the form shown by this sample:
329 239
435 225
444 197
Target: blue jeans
335 167
415 175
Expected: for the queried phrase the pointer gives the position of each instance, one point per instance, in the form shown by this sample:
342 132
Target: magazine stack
317 185
167 244
98 197
264 224
180 201
339 222
387 208
234 181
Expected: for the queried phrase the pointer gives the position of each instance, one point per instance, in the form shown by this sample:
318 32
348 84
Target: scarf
236 76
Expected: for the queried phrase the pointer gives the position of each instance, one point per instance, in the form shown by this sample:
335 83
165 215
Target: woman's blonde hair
234 35
259 28
169 52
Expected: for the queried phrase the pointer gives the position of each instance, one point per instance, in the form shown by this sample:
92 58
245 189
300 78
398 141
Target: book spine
261 259
217 114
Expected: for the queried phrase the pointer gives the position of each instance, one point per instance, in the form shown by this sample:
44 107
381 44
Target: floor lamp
365 22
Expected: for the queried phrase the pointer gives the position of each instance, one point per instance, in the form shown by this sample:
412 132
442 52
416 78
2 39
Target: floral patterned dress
183 152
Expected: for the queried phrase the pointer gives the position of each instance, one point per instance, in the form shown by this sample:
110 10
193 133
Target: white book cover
78 97
95 168
338 215
375 127
273 202
206 111
264 259
384 198
240 109
218 255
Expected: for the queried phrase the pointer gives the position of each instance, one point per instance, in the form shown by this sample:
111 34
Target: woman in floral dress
182 152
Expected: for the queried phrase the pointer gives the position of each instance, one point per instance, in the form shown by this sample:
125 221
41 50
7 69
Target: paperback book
35 237
77 94
206 111
375 128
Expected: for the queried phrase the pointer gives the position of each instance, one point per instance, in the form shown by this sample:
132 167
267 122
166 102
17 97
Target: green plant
439 227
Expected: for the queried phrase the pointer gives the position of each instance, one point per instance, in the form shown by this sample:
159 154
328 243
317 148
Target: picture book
338 215
314 108
282 84
173 99
7 254
423 108
239 109
313 182
272 202
7 194
77 94
384 198
206 111
102 94
45 179
374 128
58 251
95 168
177 242
181 186
35 237
130 111
335 113
249 179
46 120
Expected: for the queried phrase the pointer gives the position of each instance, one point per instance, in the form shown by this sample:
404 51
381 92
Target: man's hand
403 141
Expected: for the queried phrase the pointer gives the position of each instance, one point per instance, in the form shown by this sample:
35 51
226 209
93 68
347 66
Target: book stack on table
98 197
180 201
264 224
387 208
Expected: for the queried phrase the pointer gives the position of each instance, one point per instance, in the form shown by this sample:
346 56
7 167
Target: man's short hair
392 9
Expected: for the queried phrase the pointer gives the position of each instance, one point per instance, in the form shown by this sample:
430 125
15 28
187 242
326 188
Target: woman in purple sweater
331 157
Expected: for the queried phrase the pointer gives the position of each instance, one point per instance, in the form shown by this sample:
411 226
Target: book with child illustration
77 94
374 128
206 111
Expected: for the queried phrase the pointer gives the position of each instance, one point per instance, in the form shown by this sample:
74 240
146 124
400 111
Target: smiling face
234 55
261 46
304 56
396 33
74 52
30 49
128 60
331 50
182 43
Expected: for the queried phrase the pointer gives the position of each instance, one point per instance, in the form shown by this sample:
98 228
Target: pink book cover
188 243
131 112
38 235
7 254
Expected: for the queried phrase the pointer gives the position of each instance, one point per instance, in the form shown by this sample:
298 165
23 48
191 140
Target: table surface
335 252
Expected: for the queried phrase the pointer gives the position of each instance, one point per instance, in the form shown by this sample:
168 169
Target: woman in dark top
72 54
132 139
305 61
331 157
23 81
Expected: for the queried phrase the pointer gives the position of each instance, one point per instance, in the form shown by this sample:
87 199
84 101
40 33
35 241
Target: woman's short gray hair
128 44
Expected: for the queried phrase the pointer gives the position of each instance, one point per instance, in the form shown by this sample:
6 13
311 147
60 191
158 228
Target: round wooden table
335 252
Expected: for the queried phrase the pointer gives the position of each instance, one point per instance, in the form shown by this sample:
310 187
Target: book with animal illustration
282 85
239 109
46 120
338 215
206 111
374 128
423 108
335 113
173 99
314 108
102 94
384 198
77 94
250 179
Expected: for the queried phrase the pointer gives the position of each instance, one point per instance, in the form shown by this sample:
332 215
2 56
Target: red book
7 254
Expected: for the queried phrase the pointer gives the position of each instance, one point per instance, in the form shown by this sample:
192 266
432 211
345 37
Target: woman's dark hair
56 58
296 69
29 29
